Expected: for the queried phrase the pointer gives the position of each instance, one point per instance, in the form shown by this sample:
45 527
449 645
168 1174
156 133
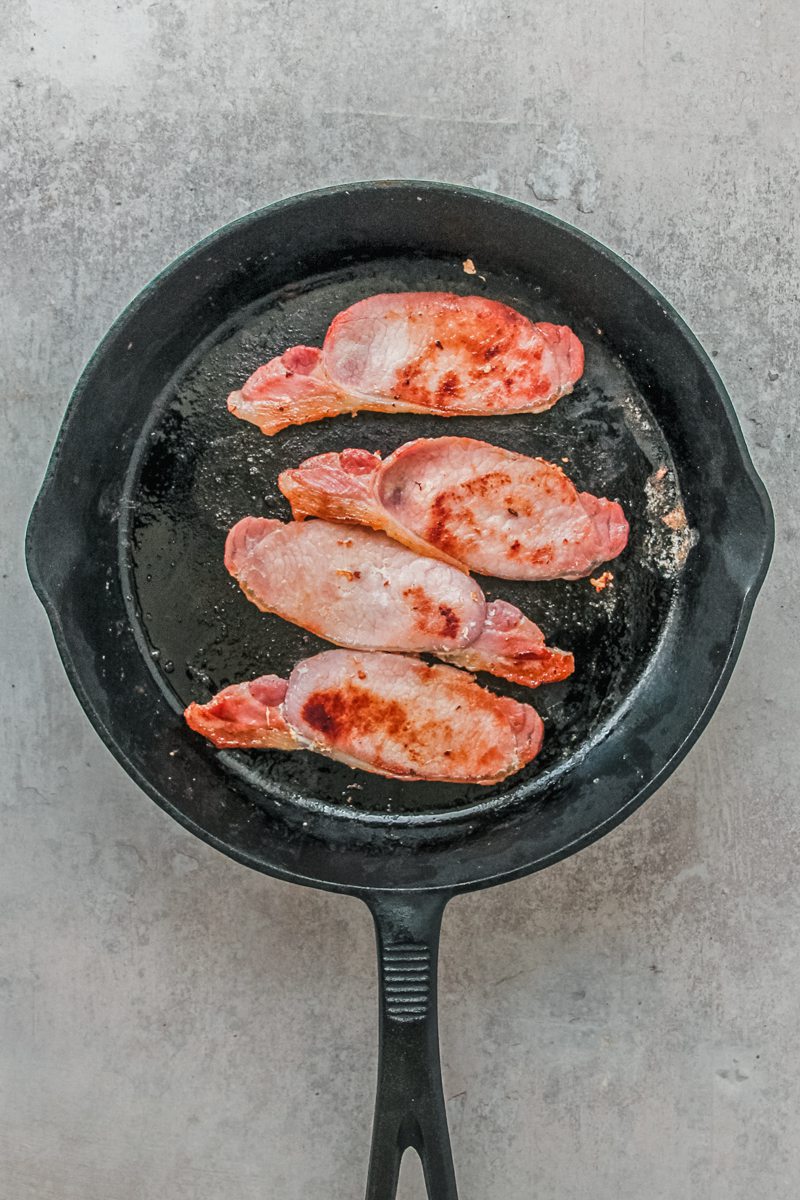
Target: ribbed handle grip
406 971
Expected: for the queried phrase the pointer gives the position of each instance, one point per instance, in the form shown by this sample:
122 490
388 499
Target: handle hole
411 1182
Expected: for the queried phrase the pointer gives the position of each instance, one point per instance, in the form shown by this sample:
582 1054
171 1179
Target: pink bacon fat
425 352
360 589
467 502
390 714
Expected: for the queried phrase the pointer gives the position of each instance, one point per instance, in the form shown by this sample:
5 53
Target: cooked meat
360 589
428 352
467 502
386 713
245 716
512 647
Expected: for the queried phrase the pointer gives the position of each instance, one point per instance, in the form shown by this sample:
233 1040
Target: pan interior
197 470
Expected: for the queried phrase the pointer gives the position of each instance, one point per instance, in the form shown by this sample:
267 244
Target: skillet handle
409 1105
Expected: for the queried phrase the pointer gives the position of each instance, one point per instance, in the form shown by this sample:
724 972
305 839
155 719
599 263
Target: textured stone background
624 1025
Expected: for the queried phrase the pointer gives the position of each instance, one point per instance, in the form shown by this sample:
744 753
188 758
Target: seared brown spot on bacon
437 619
486 483
450 621
438 531
449 386
351 711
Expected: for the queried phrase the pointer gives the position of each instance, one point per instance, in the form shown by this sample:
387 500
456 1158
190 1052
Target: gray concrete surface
622 1026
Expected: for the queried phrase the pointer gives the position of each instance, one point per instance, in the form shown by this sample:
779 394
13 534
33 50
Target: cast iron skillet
149 471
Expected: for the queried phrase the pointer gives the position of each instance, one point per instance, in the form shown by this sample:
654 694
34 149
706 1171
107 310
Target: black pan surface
198 470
